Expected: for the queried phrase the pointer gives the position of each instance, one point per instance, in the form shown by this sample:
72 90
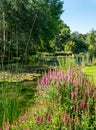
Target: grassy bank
90 71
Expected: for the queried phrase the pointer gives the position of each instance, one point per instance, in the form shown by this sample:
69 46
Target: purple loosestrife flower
87 92
70 71
94 94
37 120
64 77
38 81
58 74
48 118
70 122
76 107
83 103
50 78
57 83
69 78
24 118
55 102
41 120
7 125
75 83
44 92
64 117
50 71
39 87
74 94
35 115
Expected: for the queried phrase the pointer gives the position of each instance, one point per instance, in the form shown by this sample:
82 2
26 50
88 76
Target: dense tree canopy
28 26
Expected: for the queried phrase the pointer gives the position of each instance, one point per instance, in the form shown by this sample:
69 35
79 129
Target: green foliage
66 61
34 60
30 25
79 43
64 100
91 41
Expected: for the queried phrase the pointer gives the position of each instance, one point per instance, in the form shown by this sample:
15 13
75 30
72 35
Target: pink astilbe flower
83 103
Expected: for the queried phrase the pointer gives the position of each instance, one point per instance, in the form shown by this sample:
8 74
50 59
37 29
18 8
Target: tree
30 25
63 36
91 41
79 43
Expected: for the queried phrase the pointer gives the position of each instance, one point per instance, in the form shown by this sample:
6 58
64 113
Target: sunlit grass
91 71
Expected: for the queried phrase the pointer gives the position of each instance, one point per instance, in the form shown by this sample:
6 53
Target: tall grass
9 105
9 93
65 61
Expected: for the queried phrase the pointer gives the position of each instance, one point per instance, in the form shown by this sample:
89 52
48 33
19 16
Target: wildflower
38 81
57 83
70 71
83 103
69 78
76 107
35 115
70 123
24 118
7 125
39 87
50 78
74 94
30 121
50 70
41 120
55 101
48 118
94 94
44 92
87 92
60 97
37 120
74 83
64 117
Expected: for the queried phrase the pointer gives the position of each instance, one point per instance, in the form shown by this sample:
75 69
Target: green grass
90 71
15 99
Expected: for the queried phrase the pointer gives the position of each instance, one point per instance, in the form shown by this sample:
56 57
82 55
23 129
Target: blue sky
80 15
